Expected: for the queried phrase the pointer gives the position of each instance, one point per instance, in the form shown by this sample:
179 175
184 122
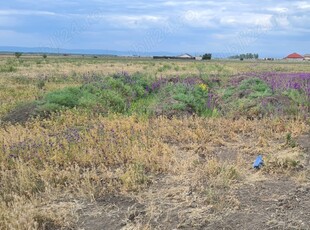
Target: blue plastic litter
259 162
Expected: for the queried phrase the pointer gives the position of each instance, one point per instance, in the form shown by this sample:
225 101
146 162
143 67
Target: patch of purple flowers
280 81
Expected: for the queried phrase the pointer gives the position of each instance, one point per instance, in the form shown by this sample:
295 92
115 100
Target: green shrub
246 99
227 93
258 87
143 106
8 68
187 98
88 100
114 101
297 97
18 54
68 97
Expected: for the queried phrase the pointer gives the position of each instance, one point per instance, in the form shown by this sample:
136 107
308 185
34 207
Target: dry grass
51 169
43 167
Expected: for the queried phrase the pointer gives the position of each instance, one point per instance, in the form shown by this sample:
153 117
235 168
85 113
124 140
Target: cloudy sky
267 27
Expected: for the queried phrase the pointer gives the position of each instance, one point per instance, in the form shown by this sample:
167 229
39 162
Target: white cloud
199 18
302 5
212 19
133 21
184 3
26 12
277 9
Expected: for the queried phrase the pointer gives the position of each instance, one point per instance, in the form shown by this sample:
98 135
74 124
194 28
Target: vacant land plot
121 143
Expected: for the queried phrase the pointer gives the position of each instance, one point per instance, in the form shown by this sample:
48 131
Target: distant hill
6 49
47 50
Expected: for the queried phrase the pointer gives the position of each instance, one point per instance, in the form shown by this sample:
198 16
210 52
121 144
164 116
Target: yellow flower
203 86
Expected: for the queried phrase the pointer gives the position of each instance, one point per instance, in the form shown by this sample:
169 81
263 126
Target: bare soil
272 204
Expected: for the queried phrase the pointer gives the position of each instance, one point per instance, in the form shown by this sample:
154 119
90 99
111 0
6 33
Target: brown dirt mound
21 113
111 212
165 109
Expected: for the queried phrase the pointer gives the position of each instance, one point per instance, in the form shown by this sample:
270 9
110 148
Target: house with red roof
294 57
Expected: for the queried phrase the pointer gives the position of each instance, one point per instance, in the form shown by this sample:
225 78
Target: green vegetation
207 56
8 68
126 94
18 54
245 56
186 98
138 93
256 88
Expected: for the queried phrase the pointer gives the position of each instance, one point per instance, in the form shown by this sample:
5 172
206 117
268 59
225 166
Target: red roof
294 55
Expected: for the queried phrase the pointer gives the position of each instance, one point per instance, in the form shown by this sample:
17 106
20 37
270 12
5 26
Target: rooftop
294 55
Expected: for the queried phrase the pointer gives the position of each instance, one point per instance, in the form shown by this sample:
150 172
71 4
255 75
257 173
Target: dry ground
197 174
186 199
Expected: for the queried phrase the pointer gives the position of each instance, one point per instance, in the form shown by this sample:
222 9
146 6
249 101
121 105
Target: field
130 143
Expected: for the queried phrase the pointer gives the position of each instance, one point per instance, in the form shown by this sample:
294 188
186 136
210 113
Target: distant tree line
207 56
245 56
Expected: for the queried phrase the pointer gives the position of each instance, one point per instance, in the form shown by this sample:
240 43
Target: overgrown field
103 143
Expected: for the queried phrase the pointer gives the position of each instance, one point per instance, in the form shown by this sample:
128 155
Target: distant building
269 59
294 57
186 56
183 56
307 57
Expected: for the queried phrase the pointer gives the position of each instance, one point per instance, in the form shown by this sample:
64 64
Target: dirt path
272 204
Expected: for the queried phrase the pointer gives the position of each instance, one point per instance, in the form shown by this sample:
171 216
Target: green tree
18 54
245 56
207 56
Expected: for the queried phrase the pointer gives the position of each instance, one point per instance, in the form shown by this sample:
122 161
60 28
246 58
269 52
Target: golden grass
42 165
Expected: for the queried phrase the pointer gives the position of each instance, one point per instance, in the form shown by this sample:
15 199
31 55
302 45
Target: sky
267 27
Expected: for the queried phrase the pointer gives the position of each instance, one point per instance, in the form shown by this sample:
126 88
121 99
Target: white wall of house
307 57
